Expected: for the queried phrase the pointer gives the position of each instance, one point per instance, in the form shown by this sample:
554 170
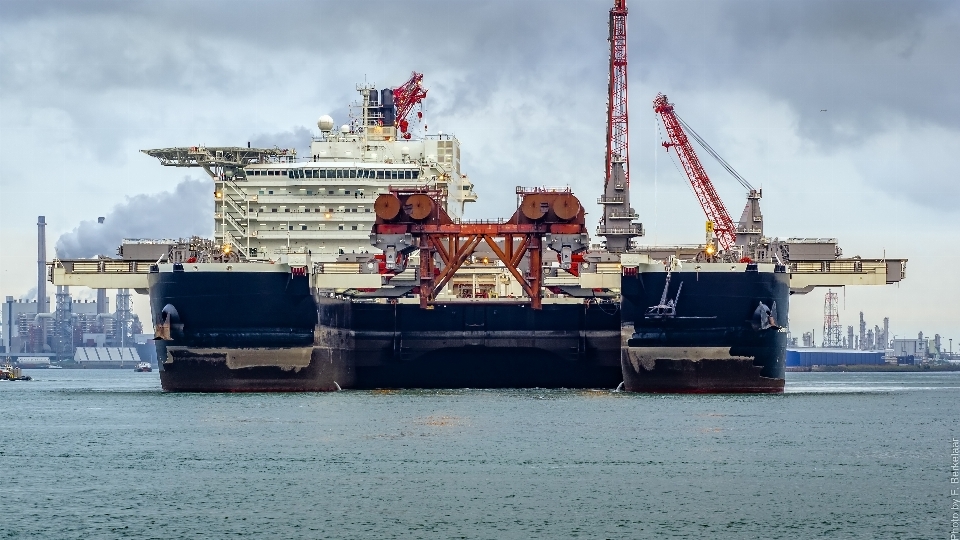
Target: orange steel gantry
414 219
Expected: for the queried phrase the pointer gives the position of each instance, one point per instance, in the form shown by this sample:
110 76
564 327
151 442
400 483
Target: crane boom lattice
406 97
713 207
617 224
618 144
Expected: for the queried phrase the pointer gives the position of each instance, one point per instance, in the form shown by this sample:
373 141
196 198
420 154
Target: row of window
322 249
318 210
358 194
303 227
378 174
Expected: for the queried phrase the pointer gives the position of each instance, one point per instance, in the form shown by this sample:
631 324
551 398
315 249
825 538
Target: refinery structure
87 332
863 344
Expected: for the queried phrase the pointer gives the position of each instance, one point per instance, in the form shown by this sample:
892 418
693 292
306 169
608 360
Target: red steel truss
406 96
419 214
713 207
617 129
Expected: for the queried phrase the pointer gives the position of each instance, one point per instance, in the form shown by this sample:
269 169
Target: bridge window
353 173
380 175
416 174
309 173
303 227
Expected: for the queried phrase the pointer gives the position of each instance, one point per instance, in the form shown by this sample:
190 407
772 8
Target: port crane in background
719 221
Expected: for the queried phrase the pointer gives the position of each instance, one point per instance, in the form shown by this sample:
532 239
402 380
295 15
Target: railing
838 267
543 189
638 229
104 266
610 200
499 221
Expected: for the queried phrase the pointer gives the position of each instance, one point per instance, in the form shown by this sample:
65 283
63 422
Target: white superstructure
269 202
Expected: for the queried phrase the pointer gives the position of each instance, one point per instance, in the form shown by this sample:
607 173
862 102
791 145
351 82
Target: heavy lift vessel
288 298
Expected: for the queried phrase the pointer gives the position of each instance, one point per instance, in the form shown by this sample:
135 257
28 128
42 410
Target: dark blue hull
725 331
264 331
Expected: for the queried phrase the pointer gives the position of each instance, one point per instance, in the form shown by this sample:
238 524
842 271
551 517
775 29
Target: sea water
105 454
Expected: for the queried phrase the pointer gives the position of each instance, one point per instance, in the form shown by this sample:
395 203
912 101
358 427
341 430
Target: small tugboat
11 373
143 367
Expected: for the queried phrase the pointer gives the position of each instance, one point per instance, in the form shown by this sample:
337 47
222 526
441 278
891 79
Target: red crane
405 97
723 227
617 133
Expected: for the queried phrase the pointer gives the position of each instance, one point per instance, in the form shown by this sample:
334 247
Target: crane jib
710 201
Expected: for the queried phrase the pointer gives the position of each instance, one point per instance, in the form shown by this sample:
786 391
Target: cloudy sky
847 113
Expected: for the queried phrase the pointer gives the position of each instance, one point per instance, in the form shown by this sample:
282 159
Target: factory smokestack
102 302
42 306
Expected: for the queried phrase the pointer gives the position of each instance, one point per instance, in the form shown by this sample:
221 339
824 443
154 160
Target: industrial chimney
42 306
102 302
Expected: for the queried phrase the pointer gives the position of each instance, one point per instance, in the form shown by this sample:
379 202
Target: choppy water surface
105 454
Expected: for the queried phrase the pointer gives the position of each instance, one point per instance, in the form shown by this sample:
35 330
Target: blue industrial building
813 356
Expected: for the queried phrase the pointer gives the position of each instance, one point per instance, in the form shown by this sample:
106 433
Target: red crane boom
406 96
617 132
723 227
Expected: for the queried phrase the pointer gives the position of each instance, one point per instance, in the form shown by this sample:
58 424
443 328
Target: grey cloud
756 22
862 59
864 62
297 138
181 213
871 64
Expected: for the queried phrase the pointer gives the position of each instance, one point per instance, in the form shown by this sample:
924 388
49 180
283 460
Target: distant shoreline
866 368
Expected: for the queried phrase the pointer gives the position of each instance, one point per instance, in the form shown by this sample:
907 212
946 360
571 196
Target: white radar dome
325 123
345 129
